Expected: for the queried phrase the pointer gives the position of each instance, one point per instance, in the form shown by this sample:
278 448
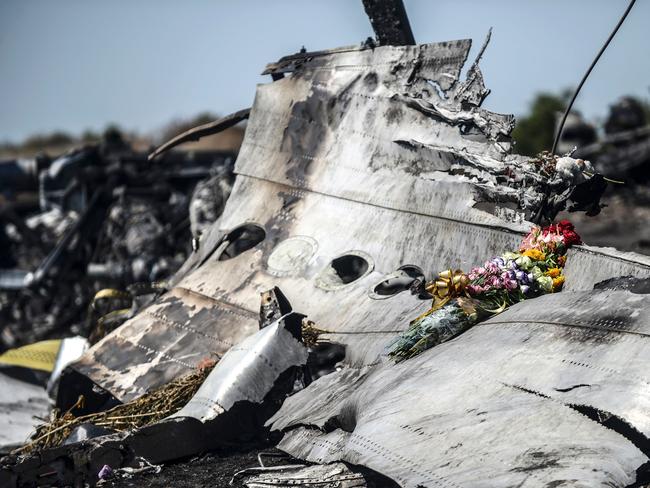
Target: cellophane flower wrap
461 300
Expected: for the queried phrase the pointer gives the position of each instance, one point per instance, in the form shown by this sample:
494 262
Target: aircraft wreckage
360 168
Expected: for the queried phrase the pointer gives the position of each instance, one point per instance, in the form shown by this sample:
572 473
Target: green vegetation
534 132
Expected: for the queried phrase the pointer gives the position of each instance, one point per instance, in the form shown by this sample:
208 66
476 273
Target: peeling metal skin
360 162
249 370
552 390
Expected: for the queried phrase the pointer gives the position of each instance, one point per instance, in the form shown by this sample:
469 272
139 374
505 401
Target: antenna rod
584 78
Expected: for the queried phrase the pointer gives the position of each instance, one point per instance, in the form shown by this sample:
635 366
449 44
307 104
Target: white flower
572 171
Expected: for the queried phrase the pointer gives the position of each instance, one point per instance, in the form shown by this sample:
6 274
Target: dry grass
148 409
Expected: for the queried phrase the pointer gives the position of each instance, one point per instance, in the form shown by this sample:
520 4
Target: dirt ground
216 470
208 471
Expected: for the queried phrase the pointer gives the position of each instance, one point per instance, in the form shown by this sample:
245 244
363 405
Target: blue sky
81 64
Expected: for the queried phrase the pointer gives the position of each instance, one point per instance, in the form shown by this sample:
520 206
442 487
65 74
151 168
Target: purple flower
522 277
105 473
524 289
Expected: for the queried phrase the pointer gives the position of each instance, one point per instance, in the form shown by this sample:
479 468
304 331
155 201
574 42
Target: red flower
570 238
566 230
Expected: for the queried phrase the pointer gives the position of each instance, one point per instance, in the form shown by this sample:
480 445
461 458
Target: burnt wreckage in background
98 217
360 167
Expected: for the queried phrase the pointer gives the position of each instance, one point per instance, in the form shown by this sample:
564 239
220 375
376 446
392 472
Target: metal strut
390 22
586 75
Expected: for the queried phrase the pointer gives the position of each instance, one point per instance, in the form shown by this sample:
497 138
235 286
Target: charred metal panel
389 21
386 127
326 174
166 340
588 265
248 371
335 162
359 162
241 393
553 390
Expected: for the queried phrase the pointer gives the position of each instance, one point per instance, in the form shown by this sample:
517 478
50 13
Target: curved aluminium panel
332 154
376 151
553 392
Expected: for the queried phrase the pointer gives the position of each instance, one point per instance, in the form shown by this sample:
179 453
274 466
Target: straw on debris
147 409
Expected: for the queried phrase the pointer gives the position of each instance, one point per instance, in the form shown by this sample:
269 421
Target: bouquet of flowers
461 300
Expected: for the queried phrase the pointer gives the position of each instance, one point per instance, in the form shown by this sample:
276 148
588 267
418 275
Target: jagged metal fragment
249 370
243 390
318 146
336 475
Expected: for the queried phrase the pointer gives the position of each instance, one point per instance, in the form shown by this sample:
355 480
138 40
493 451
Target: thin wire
584 78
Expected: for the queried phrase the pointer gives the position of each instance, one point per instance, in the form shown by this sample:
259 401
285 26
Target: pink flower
494 282
511 284
475 289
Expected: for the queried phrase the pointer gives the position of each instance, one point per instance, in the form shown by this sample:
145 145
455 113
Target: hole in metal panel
324 358
240 240
397 282
349 267
345 269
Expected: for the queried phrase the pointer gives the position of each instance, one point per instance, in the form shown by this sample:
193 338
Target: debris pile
364 172
102 216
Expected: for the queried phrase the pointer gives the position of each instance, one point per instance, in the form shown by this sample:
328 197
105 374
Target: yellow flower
553 272
534 254
558 282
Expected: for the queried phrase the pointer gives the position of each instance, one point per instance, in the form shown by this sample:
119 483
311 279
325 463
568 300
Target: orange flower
558 282
561 261
534 254
553 272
